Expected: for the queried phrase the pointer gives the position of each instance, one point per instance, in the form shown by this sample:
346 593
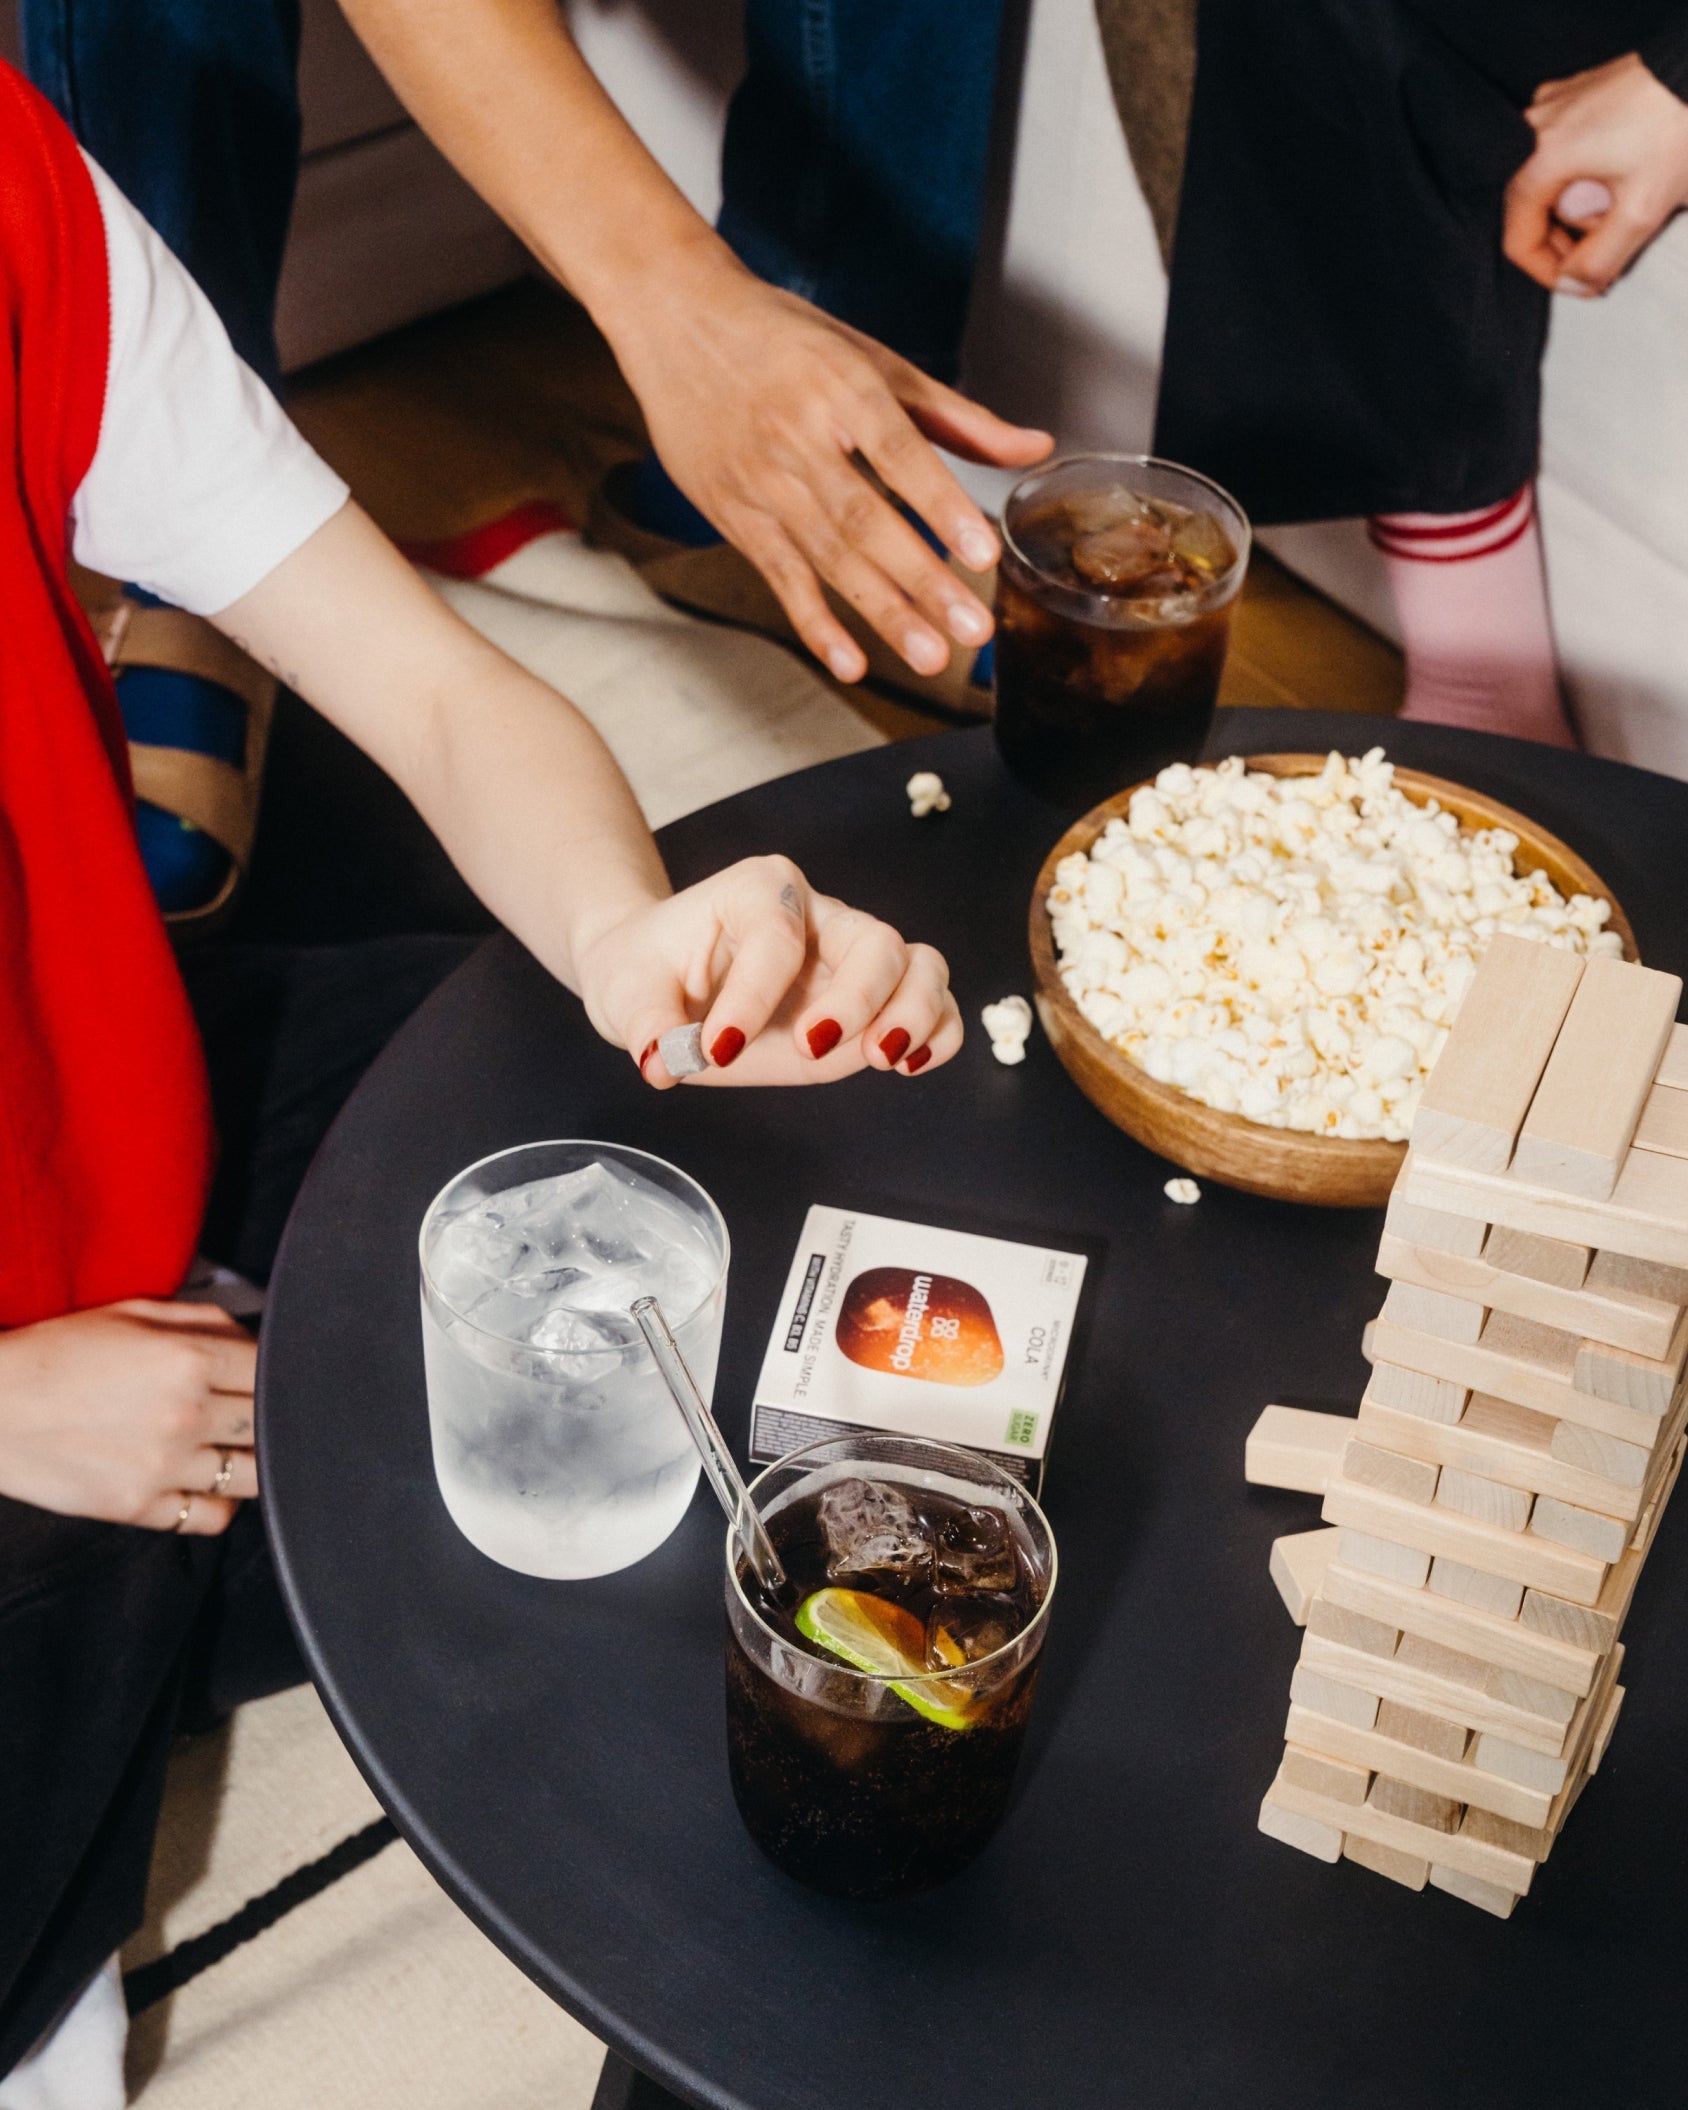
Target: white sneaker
78 2064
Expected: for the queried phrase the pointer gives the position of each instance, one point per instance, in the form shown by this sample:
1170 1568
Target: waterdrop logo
935 1327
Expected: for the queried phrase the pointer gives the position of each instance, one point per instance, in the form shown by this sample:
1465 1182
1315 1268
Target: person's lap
112 1639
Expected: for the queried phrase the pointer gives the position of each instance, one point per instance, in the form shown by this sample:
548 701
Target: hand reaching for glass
789 985
1610 167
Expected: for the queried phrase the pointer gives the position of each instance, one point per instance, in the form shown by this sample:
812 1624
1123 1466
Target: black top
555 1751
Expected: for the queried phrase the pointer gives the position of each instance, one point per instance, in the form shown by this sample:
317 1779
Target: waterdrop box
907 1330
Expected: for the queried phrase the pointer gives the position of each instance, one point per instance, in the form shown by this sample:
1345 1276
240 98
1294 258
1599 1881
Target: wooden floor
446 425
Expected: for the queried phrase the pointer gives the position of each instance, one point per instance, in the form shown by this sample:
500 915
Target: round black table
555 1752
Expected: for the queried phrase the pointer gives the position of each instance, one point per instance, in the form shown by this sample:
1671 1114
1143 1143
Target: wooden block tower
1489 1510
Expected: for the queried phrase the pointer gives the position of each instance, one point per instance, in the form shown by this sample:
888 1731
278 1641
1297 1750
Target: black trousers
113 1640
1344 334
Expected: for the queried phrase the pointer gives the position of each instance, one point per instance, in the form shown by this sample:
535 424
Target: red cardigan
105 1129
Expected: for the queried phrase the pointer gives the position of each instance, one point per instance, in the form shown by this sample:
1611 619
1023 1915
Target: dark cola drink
1113 610
861 1781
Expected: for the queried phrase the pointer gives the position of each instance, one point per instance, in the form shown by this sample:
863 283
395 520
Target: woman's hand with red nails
789 986
1616 125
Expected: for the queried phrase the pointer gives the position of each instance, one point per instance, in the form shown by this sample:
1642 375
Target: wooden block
1651 1513
1546 1348
1617 1275
1434 1229
1530 1695
1673 1064
1605 1537
1608 1722
1621 1318
1547 1710
1461 1699
1532 1839
1290 1447
1583 1626
1411 1392
1298 1564
1474 1445
1433 1311
1583 1117
1410 1478
1399 1798
1480 1090
1664 1121
1334 1777
1472 1890
1647 1383
1497 1366
1319 1694
1362 1549
1604 1457
1335 1622
1312 1835
1504 1642
1405 1869
1531 1769
1492 1864
1432 1733
1443 1776
1548 1260
1512 1554
1489 1593
1646 1215
1490 1501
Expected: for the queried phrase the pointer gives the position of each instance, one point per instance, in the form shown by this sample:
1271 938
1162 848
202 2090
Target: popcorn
1182 1191
1008 1023
926 794
1293 949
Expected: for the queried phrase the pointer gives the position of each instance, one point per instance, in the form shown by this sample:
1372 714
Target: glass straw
724 1475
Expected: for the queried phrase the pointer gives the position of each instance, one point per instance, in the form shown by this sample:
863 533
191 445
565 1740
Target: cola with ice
1113 610
875 1713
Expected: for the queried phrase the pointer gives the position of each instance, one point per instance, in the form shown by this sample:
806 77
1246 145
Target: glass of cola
875 1712
1113 611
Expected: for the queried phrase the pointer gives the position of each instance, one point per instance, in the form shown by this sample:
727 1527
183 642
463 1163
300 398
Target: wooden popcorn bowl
1283 1163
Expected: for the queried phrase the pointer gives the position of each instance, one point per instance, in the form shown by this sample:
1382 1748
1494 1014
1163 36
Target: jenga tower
1520 1436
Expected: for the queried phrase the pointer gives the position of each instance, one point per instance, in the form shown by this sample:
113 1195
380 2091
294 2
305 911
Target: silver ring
224 1471
183 1513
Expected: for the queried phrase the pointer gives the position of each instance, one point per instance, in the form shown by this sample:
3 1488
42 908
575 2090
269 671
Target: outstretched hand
791 986
1617 126
763 410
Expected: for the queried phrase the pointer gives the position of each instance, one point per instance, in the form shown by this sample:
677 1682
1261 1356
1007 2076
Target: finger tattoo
791 901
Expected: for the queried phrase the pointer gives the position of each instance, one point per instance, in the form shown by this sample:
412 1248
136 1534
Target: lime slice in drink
872 1634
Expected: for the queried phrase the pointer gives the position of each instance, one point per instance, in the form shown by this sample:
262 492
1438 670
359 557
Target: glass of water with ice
556 1444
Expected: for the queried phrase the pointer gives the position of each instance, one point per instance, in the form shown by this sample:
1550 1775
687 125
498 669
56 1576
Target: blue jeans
852 173
191 107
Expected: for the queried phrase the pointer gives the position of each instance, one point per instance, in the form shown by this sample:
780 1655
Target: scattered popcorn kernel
1008 1022
1182 1191
926 794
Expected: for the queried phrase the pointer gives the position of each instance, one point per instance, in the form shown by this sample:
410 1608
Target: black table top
556 1751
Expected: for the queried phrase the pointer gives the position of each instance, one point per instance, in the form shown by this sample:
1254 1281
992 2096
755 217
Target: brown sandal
214 796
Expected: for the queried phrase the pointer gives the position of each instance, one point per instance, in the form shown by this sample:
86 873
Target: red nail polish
894 1046
918 1060
824 1036
729 1044
646 1056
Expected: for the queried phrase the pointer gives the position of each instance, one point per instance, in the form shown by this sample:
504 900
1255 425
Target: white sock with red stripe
1471 595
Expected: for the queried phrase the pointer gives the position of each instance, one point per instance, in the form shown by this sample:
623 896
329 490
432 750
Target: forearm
502 90
523 794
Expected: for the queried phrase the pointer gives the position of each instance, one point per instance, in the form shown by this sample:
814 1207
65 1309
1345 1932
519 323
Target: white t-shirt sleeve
199 486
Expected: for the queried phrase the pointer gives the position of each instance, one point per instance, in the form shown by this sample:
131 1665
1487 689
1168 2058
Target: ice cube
563 1331
575 1216
1129 553
975 1551
1203 544
963 1630
871 1529
471 1252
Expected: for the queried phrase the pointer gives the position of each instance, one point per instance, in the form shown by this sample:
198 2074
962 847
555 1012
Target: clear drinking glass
558 1448
1113 610
874 1785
